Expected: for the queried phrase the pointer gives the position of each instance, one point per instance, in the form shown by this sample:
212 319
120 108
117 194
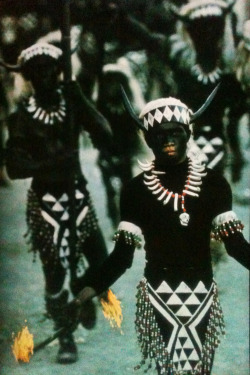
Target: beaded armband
132 234
224 225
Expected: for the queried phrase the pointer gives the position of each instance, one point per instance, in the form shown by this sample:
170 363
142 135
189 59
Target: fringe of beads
224 230
148 334
215 328
130 238
152 343
40 233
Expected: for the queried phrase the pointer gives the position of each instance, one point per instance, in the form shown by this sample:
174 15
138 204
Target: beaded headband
39 49
165 110
196 9
203 8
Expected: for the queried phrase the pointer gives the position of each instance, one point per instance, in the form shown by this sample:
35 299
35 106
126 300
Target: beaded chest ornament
191 187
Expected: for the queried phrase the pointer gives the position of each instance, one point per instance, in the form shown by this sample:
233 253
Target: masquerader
38 147
174 204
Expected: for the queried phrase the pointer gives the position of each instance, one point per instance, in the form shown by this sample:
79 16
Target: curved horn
9 67
205 105
173 9
229 6
130 109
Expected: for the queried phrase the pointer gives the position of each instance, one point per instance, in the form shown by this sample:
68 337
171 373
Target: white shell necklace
47 117
191 187
212 77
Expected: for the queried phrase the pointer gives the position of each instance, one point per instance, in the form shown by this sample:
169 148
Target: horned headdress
38 49
166 110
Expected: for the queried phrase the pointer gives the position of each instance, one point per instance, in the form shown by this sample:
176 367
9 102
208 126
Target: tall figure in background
174 204
38 147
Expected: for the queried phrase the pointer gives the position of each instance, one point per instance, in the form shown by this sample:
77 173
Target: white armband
225 224
131 232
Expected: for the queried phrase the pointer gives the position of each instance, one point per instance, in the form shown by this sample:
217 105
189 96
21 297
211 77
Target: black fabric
43 151
238 248
112 268
168 244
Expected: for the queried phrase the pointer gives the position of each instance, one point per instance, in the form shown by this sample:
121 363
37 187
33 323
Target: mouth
170 150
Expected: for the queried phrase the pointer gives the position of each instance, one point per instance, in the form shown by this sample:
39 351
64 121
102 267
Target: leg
41 236
56 299
95 251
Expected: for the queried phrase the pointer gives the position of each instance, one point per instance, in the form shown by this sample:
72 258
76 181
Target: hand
86 294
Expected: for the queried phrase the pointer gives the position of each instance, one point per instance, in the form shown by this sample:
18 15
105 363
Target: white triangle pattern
201 141
201 288
183 311
188 344
208 151
57 207
194 356
78 194
183 288
187 366
164 288
192 300
49 198
174 300
178 345
183 332
181 356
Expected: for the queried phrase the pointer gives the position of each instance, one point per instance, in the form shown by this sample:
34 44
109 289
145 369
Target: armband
132 234
224 225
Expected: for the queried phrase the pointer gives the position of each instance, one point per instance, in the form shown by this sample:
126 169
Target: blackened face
43 73
168 142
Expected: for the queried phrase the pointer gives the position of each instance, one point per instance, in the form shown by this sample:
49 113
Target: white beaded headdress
39 49
165 110
203 8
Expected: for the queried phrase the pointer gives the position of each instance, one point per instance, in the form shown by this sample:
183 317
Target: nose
169 139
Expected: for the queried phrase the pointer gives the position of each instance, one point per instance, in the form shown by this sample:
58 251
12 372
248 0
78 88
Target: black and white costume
178 292
32 151
39 146
174 206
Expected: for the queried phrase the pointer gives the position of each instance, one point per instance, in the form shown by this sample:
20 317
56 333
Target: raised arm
89 117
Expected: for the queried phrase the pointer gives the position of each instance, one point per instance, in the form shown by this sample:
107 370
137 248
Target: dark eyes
164 135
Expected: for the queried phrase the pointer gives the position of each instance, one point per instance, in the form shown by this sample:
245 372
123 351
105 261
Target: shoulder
216 179
134 184
218 190
133 189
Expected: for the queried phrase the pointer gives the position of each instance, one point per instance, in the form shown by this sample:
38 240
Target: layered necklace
192 186
47 116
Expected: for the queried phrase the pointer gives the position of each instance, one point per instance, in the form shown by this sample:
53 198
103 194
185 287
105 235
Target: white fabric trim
130 227
224 217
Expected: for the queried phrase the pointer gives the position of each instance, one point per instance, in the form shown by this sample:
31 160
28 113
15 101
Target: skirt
178 329
49 223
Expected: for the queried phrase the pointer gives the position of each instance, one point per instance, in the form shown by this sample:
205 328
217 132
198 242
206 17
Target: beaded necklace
191 187
47 117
